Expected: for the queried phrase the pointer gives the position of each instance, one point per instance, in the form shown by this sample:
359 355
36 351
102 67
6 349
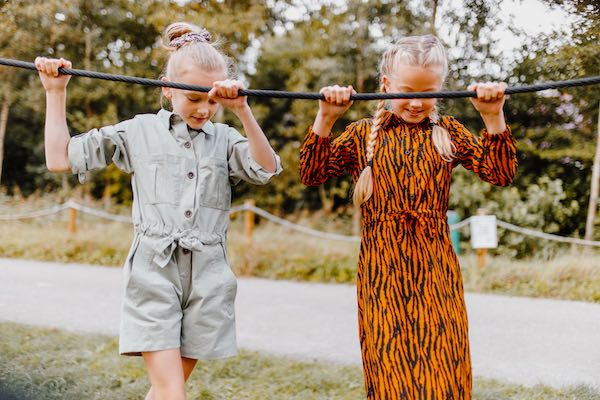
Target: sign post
484 235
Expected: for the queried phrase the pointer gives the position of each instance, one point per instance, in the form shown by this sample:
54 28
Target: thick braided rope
594 80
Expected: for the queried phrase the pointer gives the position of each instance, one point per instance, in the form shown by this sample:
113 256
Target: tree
115 36
557 129
26 25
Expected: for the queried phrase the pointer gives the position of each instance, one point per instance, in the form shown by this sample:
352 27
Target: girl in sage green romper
179 289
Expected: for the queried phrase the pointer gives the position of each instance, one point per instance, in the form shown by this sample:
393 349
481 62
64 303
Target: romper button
191 175
409 174
412 196
407 152
187 145
188 214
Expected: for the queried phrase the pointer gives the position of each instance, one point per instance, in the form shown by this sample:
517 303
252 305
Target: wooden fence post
72 227
249 221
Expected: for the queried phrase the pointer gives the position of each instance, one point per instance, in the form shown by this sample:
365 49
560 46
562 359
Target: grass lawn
43 364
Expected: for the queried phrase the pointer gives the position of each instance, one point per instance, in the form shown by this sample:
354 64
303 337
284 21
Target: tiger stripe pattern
413 327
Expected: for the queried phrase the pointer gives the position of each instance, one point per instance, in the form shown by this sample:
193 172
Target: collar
169 119
391 120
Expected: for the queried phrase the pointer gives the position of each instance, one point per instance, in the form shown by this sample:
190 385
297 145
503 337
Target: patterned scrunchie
202 36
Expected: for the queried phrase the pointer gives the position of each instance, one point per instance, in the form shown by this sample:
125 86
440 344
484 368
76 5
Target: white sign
483 232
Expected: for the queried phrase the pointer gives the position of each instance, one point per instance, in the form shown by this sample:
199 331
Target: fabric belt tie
189 239
427 221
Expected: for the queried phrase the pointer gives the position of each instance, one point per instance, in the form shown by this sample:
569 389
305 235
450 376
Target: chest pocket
160 178
213 183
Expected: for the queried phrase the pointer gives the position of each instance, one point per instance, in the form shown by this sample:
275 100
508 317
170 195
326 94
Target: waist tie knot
429 221
166 242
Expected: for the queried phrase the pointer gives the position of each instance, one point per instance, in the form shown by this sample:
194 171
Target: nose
415 103
202 112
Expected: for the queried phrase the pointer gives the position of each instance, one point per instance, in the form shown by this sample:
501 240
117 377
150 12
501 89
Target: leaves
276 47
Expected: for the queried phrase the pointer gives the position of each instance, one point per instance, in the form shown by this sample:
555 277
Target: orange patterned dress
412 317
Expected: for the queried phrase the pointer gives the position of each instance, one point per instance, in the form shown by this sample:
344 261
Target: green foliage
542 205
319 45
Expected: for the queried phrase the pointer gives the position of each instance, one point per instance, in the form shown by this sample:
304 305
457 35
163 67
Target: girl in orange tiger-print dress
413 326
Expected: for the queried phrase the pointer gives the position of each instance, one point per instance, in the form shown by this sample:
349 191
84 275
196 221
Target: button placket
188 203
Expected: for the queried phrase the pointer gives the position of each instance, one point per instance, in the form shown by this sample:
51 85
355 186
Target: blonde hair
188 43
423 51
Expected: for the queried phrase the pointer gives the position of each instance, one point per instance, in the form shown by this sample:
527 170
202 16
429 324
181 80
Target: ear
386 83
166 91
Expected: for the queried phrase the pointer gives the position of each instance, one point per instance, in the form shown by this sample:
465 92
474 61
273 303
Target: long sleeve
493 157
322 159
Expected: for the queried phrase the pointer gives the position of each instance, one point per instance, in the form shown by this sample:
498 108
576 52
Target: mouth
198 119
413 113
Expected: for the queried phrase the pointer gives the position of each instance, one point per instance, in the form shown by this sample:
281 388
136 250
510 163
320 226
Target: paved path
513 339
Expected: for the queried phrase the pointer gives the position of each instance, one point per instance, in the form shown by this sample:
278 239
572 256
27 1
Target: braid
364 185
441 138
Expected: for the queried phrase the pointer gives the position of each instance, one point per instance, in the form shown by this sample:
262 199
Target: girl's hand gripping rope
51 79
337 102
489 102
226 93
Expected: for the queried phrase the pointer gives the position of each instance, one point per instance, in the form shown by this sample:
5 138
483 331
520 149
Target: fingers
228 89
337 95
488 91
50 66
65 63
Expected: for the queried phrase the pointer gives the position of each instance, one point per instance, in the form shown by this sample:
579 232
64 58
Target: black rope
594 80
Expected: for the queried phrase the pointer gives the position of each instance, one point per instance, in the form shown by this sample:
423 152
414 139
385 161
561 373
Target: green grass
570 276
44 364
51 364
278 253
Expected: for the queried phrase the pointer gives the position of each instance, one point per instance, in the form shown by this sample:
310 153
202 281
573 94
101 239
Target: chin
412 119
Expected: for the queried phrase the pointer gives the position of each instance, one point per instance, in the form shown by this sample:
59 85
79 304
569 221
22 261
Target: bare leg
188 365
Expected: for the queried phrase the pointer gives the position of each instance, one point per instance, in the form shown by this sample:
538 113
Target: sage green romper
179 287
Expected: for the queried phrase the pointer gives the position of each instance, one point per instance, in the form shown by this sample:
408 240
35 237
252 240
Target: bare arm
260 149
56 132
337 102
226 94
489 102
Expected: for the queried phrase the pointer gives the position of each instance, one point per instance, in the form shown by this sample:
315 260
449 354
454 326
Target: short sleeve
98 148
241 164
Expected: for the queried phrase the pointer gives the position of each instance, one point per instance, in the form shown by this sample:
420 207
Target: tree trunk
433 16
593 205
3 123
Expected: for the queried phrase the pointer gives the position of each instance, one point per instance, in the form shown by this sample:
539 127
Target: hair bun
192 37
181 33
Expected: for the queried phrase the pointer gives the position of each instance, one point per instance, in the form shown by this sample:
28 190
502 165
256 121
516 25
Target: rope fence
247 207
593 80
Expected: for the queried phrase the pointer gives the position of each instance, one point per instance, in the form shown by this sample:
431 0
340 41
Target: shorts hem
210 356
138 352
